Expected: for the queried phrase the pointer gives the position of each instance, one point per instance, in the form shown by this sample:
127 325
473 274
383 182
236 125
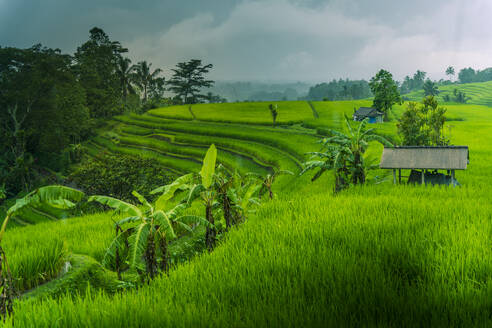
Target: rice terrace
197 195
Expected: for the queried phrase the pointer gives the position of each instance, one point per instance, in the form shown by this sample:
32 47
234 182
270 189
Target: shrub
118 175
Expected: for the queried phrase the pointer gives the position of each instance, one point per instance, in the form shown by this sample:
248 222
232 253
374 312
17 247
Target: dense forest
50 102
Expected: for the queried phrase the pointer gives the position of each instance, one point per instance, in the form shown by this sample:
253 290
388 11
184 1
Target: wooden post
423 177
399 176
394 176
452 178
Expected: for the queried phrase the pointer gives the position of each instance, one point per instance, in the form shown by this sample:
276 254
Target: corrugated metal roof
367 112
413 157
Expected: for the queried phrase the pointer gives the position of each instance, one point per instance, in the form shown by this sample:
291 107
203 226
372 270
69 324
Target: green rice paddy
374 256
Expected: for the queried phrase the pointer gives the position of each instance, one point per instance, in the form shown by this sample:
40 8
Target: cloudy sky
269 40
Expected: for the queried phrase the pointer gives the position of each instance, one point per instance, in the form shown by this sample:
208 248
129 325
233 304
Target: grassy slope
479 93
374 255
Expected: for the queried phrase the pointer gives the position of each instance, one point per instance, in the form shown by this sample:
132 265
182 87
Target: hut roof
416 157
367 112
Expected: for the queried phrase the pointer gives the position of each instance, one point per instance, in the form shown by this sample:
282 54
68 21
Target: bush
118 175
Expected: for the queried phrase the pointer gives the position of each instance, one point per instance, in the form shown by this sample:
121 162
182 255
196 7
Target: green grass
377 255
289 112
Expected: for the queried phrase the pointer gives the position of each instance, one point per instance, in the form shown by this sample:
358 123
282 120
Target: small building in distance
425 162
373 114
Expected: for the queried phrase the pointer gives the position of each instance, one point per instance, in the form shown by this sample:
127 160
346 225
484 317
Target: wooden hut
373 114
425 162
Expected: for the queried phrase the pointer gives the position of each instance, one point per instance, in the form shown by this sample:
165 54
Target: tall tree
145 78
96 66
450 71
467 75
423 124
385 92
430 88
42 111
126 75
188 79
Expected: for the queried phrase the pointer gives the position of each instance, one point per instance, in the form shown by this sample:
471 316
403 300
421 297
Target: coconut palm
126 75
344 153
144 77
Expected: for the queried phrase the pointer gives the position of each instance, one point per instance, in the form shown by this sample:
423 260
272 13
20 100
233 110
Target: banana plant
59 197
243 194
344 153
205 191
223 183
268 180
145 232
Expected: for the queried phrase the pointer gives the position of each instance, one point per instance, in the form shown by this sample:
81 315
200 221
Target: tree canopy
188 80
385 92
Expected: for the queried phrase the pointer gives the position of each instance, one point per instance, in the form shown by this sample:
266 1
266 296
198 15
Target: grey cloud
309 40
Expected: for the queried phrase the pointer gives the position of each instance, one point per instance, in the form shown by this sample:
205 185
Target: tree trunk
227 211
150 259
359 175
211 233
7 294
117 256
164 261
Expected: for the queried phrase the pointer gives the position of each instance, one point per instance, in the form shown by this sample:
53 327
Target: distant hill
478 93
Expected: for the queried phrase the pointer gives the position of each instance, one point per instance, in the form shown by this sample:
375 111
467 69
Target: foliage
385 92
141 242
118 175
460 96
188 79
42 111
126 75
344 154
430 88
413 83
340 90
450 71
54 196
96 67
423 124
149 82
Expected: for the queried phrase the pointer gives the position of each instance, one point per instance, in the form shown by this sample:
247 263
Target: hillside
372 255
478 93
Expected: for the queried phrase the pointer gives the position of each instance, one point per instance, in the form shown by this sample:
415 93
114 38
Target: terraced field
179 136
479 93
377 255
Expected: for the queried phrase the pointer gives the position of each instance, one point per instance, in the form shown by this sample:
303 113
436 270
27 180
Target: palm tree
145 78
430 88
344 153
450 71
126 75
